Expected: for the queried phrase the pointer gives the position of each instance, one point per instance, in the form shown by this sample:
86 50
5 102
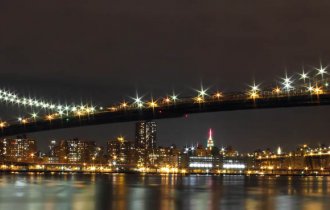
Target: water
151 192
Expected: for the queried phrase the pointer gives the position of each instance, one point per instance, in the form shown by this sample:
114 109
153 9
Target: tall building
145 135
210 143
145 143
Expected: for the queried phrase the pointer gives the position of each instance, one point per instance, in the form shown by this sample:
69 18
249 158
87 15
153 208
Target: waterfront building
74 151
121 153
145 135
145 143
20 149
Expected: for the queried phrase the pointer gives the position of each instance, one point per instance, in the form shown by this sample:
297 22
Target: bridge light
202 93
2 125
254 91
277 90
167 100
310 88
138 101
34 115
92 109
124 104
318 90
74 109
199 99
254 95
153 104
287 83
49 117
60 112
303 76
322 71
20 119
24 121
218 95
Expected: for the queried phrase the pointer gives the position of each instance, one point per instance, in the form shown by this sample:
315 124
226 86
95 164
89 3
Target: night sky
105 50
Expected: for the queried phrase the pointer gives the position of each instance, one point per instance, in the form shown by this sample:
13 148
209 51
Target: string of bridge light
314 86
9 97
311 85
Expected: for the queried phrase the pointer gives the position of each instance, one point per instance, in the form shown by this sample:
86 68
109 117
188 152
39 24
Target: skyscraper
145 135
210 143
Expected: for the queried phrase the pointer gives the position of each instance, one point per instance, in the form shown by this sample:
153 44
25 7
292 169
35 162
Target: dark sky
105 50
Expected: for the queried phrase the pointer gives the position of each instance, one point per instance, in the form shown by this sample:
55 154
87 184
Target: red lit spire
210 140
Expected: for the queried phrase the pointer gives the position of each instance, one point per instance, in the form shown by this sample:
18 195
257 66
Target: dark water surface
144 192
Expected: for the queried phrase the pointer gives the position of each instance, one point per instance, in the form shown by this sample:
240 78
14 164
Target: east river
165 192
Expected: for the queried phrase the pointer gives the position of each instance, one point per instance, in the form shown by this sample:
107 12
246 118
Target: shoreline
49 172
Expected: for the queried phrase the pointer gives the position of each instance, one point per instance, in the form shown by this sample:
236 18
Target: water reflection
144 192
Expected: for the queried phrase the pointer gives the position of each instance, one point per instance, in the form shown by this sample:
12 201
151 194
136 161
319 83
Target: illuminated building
145 135
121 153
210 143
168 157
145 142
75 151
20 149
200 164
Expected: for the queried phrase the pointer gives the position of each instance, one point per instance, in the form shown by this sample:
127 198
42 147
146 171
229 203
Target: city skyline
108 51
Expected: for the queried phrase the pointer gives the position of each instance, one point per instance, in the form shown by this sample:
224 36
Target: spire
210 134
210 140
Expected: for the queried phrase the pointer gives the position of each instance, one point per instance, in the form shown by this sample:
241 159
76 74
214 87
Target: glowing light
318 90
287 83
218 95
2 124
124 104
321 70
49 117
277 90
254 92
138 101
199 99
254 95
167 100
233 166
303 76
202 92
174 97
153 104
34 115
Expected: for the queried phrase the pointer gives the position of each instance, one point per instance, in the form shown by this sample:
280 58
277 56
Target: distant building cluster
143 155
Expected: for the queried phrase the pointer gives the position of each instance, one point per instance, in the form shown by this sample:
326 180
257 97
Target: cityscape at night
169 105
144 155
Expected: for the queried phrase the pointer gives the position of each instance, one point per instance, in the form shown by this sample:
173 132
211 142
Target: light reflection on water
144 192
